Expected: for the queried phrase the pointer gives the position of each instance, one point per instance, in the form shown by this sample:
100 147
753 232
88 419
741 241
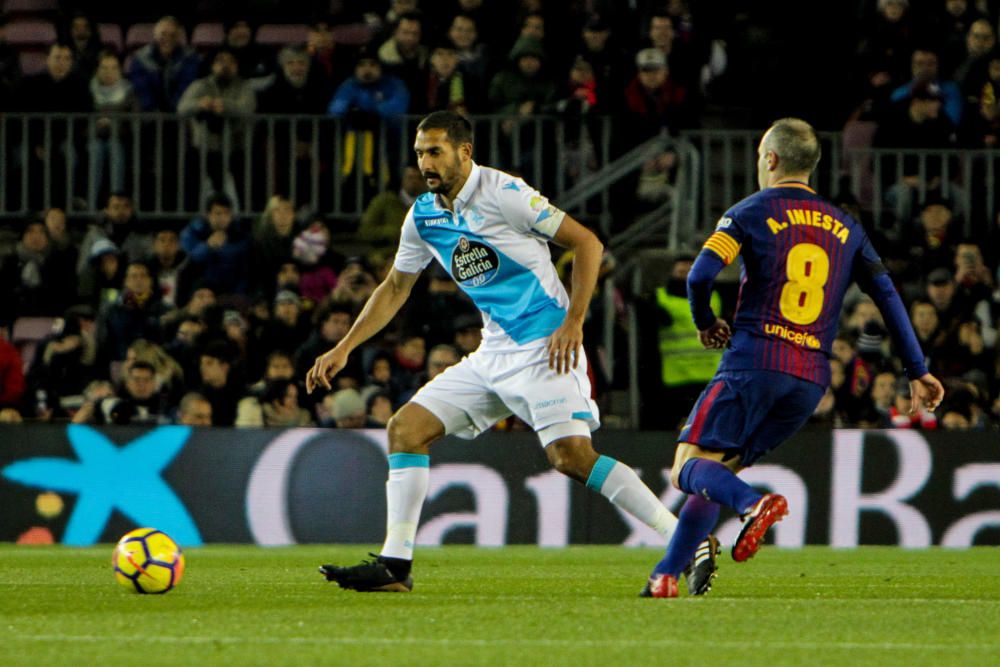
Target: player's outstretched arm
925 392
381 307
565 342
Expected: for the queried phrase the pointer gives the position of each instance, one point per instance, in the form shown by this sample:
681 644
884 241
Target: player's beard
445 183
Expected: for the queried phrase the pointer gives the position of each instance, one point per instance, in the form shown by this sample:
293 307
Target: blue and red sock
696 520
716 482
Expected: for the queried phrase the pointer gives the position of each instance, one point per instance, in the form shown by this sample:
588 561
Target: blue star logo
108 477
511 186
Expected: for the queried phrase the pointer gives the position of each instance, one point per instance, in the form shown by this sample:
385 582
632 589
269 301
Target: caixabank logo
473 263
80 485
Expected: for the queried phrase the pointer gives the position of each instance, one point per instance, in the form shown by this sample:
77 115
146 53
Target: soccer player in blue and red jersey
799 255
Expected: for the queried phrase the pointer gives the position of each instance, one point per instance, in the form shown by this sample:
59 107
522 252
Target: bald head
789 150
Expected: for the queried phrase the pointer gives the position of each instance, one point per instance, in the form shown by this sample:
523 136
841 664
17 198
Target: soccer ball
146 560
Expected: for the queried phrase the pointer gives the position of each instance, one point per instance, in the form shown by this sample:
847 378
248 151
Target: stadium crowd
215 320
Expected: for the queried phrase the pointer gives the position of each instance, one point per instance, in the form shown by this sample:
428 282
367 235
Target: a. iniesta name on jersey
798 216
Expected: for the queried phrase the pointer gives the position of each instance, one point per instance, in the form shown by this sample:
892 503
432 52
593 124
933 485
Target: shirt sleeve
727 239
413 255
527 209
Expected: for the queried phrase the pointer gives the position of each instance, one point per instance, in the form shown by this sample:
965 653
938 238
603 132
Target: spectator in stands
218 248
948 25
315 262
981 120
473 56
354 284
975 287
10 68
884 53
184 346
102 276
169 265
914 122
933 244
286 330
110 93
942 293
12 383
383 218
64 362
346 409
55 89
137 402
682 58
32 283
62 250
331 322
163 70
117 223
53 150
883 396
367 101
219 382
278 407
444 84
970 71
605 61
254 61
925 69
378 410
330 62
404 56
272 241
136 314
298 88
170 376
654 100
219 104
522 89
81 34
194 410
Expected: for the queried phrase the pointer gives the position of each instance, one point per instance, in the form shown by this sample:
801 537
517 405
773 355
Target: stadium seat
207 36
26 334
111 36
353 34
32 62
272 34
26 34
138 35
36 8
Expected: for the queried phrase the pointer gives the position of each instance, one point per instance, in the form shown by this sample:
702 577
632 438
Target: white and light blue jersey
495 246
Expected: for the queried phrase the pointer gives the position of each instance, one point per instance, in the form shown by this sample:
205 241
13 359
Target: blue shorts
750 412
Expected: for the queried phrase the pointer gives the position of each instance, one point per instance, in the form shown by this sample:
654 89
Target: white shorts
485 387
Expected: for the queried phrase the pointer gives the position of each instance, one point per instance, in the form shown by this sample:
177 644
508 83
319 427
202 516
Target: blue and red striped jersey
799 255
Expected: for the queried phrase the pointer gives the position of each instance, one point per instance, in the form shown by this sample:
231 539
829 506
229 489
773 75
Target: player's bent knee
412 430
572 456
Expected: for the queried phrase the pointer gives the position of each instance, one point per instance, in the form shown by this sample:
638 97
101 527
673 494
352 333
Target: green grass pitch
244 605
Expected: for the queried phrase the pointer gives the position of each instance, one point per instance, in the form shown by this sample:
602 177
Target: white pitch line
429 641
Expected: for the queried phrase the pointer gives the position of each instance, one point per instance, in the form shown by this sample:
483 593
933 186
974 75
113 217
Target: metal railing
328 164
876 177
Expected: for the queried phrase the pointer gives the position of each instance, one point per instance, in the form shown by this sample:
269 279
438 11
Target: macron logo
433 222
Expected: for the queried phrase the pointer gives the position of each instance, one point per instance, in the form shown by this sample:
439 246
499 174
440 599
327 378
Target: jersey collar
471 184
794 184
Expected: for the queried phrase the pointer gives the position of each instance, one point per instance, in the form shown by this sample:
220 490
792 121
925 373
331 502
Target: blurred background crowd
214 320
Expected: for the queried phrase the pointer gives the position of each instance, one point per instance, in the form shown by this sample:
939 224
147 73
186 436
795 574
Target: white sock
405 491
619 484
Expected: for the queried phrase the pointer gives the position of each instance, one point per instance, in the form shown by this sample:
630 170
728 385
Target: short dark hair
218 199
457 126
142 366
796 143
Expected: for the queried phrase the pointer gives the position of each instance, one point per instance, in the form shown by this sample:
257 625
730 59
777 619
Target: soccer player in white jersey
491 231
